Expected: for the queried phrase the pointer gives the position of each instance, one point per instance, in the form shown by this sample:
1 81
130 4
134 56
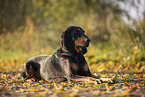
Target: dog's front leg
78 78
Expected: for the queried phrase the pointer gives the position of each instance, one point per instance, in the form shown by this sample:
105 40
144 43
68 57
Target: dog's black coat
65 63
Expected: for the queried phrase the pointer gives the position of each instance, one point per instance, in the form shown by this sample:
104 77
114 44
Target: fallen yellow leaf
33 89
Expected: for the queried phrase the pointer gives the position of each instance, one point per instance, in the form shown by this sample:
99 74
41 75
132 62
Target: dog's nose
88 40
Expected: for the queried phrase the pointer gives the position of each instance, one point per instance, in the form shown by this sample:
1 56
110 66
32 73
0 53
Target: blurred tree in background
96 16
100 17
13 13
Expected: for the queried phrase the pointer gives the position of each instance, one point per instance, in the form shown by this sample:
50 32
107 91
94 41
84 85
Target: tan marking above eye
79 30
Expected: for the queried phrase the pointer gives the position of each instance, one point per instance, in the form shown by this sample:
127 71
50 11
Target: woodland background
34 27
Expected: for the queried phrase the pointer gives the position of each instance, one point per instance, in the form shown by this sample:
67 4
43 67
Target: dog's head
75 40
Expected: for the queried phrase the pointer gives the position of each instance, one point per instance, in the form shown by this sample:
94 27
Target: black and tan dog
67 63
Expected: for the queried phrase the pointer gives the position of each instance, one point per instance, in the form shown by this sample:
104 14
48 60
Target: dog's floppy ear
67 43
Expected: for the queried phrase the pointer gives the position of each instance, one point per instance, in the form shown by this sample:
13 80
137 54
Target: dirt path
12 84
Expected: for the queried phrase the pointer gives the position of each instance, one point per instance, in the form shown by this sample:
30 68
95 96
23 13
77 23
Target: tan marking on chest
85 67
75 67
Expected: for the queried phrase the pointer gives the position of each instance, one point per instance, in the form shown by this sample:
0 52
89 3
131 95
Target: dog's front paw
108 80
105 80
